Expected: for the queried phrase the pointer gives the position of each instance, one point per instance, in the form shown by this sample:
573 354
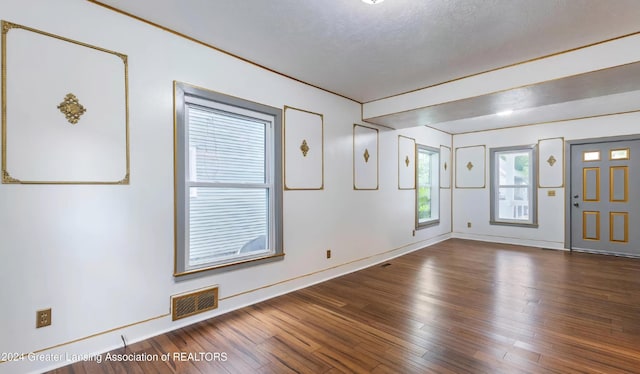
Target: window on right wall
514 186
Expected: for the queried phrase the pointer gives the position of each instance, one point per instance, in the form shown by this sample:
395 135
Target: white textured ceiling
368 52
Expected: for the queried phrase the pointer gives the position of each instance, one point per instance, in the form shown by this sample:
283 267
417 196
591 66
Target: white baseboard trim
511 240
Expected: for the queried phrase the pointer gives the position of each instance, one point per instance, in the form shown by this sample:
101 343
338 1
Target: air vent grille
189 304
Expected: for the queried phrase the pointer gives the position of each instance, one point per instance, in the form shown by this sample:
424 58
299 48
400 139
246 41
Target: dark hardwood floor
457 307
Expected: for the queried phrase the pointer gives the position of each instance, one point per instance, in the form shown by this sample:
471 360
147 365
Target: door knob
576 205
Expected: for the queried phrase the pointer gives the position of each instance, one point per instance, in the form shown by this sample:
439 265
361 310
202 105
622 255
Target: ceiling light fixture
372 2
505 112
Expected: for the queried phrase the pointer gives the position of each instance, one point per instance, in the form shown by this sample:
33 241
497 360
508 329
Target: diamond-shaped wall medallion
406 161
445 166
71 108
366 155
469 166
551 160
304 148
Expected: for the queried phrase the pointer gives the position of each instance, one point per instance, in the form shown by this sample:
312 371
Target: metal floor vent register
186 305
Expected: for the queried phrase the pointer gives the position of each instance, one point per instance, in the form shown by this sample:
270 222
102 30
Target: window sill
428 224
231 265
516 224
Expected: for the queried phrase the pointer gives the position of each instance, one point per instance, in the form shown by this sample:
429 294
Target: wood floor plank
456 307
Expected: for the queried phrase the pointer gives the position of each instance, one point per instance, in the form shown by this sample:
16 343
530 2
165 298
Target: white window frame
435 185
532 196
185 96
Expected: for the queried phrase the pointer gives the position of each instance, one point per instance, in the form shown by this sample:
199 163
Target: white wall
550 233
102 256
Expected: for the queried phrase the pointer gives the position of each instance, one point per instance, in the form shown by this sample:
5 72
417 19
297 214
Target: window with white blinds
228 185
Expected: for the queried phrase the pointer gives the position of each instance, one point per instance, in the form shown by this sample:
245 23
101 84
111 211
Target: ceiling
368 52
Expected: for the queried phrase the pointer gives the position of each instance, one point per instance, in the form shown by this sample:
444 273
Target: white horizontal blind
229 148
223 220
229 186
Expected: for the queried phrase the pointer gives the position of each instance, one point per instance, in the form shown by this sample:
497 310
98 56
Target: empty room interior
368 186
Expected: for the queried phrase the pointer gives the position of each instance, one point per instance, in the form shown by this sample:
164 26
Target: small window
619 154
228 181
591 156
513 186
427 191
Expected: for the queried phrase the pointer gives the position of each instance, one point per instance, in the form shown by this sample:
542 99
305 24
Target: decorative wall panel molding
303 150
65 110
406 163
445 166
470 167
551 163
365 158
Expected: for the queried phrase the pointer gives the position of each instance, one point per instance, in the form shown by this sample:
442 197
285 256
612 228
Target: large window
228 189
428 186
513 186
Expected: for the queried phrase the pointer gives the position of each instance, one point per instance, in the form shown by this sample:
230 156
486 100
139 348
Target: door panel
619 227
605 197
591 184
619 187
591 225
